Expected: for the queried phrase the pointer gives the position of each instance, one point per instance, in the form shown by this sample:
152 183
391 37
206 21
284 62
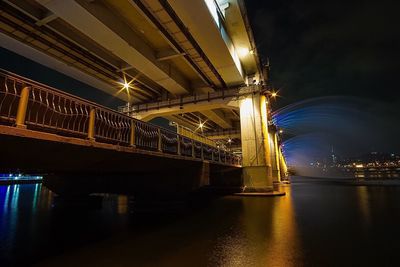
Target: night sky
335 48
329 47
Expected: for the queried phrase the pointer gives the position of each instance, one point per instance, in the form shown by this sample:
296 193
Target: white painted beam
44 59
168 54
117 38
192 107
180 122
212 38
46 19
218 117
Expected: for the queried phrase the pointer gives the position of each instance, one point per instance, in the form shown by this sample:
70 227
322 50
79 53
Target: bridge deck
29 150
43 118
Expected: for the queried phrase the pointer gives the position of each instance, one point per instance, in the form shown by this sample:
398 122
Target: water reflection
122 204
266 235
363 201
318 223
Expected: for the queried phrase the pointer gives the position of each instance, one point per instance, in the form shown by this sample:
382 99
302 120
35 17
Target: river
318 223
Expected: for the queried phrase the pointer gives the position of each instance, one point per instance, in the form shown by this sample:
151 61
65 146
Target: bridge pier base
256 154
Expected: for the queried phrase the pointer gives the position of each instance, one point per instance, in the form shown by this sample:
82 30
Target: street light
126 85
201 126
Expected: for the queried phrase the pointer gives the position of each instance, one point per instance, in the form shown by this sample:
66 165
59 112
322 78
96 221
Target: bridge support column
276 175
22 106
282 164
257 171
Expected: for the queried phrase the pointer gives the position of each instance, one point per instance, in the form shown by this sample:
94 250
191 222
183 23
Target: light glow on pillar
243 51
246 106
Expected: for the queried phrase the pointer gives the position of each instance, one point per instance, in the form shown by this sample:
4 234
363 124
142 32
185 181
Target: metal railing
232 93
28 104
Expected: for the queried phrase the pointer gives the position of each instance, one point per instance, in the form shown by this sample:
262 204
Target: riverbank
349 181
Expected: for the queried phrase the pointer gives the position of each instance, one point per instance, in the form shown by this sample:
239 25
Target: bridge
193 63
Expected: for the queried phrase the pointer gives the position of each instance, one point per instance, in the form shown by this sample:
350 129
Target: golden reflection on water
122 204
363 202
267 234
285 244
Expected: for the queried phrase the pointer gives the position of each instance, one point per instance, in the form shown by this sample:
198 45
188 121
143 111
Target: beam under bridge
220 99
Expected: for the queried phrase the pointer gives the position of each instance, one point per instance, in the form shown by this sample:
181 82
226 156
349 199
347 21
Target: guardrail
233 93
28 104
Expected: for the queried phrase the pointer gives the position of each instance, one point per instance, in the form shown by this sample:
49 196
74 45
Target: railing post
179 144
193 152
132 140
22 106
92 120
159 140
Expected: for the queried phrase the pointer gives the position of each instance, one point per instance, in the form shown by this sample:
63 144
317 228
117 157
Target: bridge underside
74 166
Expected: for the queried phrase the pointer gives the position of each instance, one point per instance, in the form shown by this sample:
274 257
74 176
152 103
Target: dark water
318 223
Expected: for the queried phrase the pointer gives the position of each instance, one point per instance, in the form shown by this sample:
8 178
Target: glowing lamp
126 86
243 51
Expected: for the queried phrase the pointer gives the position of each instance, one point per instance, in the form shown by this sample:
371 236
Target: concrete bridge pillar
273 141
282 164
256 151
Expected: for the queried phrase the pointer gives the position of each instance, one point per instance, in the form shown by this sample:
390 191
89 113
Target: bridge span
193 64
49 131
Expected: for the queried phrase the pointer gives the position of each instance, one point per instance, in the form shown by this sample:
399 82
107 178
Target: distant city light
18 176
274 94
280 131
